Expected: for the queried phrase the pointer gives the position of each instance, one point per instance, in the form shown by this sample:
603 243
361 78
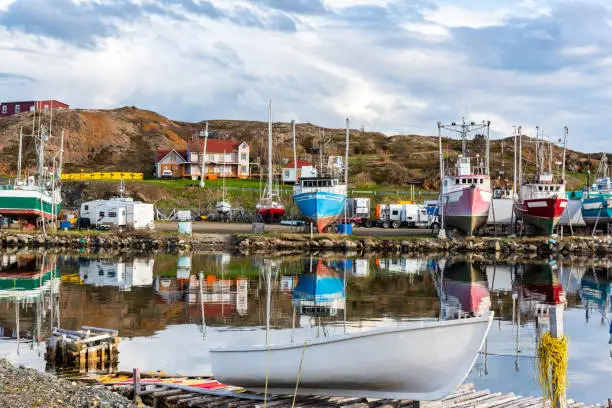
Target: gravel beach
26 388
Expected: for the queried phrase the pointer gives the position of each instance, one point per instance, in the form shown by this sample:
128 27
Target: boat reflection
319 291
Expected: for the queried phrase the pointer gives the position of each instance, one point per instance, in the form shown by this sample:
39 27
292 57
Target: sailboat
541 200
223 207
597 200
375 363
465 196
270 209
322 199
38 196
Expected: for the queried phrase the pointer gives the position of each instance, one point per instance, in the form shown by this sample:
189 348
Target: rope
551 368
297 381
267 368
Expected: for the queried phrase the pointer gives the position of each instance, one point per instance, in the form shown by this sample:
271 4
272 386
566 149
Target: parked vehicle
406 215
358 212
167 174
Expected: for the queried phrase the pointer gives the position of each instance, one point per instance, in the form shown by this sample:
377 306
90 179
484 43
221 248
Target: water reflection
170 309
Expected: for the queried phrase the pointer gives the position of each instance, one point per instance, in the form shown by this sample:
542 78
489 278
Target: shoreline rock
26 387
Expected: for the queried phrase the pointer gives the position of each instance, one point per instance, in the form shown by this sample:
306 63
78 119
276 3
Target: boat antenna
202 167
20 153
520 156
514 162
440 205
61 157
346 153
270 150
488 125
294 152
565 133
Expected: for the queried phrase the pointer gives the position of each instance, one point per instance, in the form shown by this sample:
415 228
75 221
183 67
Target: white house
304 169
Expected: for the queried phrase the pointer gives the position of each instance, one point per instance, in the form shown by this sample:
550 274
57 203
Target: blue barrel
65 225
346 229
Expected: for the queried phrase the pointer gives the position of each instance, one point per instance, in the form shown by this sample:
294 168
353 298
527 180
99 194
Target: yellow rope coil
551 367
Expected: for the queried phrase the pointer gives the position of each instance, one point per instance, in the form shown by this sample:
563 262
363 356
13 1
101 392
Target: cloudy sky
397 66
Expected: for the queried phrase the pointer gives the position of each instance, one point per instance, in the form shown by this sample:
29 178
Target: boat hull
271 215
26 204
320 208
542 214
420 362
466 209
597 210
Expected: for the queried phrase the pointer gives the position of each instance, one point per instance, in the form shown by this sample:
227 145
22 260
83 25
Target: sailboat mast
550 155
514 163
223 181
440 205
488 149
204 157
61 156
268 300
346 152
565 132
19 156
294 151
270 151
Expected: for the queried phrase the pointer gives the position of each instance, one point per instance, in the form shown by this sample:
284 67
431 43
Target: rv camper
117 212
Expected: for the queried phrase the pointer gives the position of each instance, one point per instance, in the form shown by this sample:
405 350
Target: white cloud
455 16
337 5
4 4
580 51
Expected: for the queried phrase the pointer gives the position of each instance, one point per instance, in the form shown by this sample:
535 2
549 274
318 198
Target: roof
161 153
214 146
300 164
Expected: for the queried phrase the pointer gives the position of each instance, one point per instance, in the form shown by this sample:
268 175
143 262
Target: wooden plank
167 393
499 401
136 378
475 401
220 393
150 390
100 330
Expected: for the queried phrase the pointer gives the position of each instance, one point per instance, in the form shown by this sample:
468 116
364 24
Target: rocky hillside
126 138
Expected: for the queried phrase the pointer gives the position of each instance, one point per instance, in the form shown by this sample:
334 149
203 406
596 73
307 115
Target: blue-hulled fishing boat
322 199
597 199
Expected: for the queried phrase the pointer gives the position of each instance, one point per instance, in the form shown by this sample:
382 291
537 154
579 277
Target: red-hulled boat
542 200
541 203
269 209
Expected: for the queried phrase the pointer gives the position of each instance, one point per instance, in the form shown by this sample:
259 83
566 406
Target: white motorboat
223 207
420 361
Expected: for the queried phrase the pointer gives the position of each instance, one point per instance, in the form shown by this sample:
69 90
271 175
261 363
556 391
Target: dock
162 391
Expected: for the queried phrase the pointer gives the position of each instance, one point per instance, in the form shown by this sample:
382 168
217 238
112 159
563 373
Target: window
395 212
540 188
46 107
286 172
17 108
463 181
86 207
243 156
3 108
101 213
112 214
457 181
243 169
32 108
558 188
481 181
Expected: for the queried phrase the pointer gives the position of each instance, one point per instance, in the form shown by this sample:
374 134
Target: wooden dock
169 392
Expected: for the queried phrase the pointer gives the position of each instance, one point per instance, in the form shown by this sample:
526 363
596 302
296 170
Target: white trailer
117 212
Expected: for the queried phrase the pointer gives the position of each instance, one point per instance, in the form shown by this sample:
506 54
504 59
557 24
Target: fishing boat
35 197
269 208
322 199
375 363
465 287
597 199
319 291
223 207
465 195
541 200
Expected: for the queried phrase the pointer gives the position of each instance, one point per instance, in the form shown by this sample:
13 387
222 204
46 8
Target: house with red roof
224 158
304 169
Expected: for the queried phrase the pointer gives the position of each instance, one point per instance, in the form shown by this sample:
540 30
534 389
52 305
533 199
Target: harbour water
168 321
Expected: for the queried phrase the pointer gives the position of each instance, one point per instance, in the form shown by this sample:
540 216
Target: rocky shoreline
302 243
502 246
25 388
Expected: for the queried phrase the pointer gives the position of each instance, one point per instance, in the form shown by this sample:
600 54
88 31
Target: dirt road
237 228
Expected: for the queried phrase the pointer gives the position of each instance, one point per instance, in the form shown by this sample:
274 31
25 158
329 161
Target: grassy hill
125 139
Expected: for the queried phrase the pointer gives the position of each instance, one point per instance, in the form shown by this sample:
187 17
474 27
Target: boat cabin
463 167
542 187
602 184
319 182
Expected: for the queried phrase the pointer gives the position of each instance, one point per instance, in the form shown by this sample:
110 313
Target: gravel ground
26 388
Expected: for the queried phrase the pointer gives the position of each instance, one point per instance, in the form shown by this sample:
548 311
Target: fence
111 175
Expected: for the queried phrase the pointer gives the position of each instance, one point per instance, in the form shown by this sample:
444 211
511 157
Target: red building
11 108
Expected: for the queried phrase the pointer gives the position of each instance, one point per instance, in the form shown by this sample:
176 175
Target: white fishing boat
417 360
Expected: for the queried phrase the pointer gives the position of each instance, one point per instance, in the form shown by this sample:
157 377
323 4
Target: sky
395 66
